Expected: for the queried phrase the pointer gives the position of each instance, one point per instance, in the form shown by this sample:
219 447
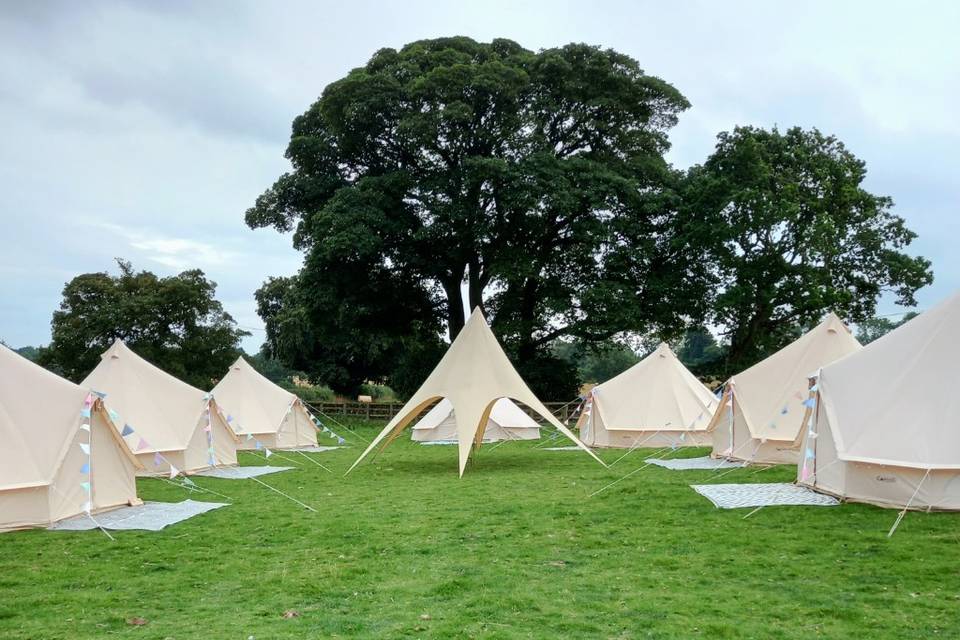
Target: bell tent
473 374
507 421
172 426
883 424
655 403
61 456
261 413
761 411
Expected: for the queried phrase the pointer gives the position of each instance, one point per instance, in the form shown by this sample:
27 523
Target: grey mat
683 464
240 473
432 442
573 448
150 516
735 496
319 449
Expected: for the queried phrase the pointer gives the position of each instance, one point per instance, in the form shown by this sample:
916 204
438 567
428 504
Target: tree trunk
455 318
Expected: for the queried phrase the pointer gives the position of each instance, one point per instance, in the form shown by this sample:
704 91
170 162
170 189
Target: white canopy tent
172 426
884 426
507 421
61 456
261 412
655 403
473 374
761 411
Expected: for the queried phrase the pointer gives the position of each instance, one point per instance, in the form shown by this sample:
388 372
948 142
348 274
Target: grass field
515 549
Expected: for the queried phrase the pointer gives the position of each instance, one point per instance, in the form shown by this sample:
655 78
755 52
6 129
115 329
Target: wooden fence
386 410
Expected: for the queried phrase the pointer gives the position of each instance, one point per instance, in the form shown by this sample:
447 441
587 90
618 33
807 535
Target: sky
145 130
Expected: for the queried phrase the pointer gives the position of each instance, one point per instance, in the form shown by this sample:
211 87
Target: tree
596 362
873 328
30 353
698 347
787 232
532 185
174 322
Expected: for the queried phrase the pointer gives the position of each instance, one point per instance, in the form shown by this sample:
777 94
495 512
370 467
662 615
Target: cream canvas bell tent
507 421
655 403
171 426
884 425
261 413
761 410
60 456
473 374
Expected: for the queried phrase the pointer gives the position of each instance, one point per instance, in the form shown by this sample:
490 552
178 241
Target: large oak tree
453 174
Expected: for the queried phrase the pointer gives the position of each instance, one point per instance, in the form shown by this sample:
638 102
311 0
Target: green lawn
514 549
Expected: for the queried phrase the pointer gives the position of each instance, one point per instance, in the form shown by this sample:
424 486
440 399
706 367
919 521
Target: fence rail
563 411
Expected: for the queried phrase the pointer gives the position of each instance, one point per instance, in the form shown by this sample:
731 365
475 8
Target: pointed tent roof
896 401
39 418
162 409
255 403
769 394
472 375
656 393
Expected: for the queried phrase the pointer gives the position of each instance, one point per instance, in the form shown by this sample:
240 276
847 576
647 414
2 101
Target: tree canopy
873 328
174 322
452 174
787 232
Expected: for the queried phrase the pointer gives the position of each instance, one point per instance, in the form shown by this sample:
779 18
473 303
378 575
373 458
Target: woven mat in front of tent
240 473
684 464
736 496
150 516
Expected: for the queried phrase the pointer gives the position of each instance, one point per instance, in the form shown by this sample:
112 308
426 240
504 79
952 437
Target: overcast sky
145 130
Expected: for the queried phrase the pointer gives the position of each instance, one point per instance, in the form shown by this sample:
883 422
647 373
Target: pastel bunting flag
207 396
87 507
683 437
127 430
86 486
249 437
85 426
212 461
85 448
208 428
88 400
173 472
784 411
229 418
143 444
85 469
267 453
815 387
113 415
187 481
100 394
85 412
805 472
809 403
157 459
340 440
257 445
809 453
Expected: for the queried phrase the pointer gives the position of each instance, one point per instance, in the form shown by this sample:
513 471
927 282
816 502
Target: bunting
86 482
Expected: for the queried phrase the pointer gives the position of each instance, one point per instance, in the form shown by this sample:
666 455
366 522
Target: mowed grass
402 548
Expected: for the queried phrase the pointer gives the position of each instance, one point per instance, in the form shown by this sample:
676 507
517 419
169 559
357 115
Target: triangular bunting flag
173 472
187 481
86 486
157 459
85 469
249 437
85 426
229 418
85 448
87 507
143 444
88 400
208 428
127 430
113 415
810 403
85 412
267 453
257 445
